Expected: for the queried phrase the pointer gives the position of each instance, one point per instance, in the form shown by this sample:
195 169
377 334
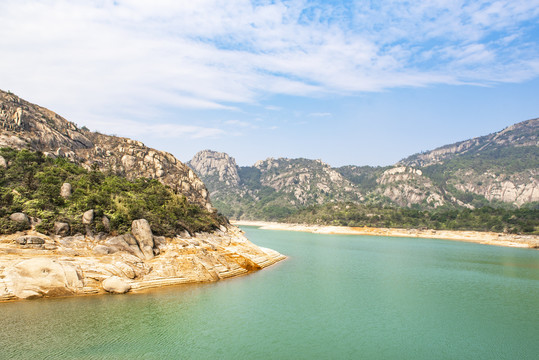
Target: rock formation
209 163
77 265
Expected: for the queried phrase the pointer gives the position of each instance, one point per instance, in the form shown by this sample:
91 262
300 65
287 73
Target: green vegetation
31 184
502 160
524 220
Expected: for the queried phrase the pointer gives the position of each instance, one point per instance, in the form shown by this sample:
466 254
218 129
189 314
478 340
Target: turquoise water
336 297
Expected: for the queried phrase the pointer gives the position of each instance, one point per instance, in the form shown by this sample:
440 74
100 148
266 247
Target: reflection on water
336 297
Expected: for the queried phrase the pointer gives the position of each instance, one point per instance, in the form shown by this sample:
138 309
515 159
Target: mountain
499 170
24 125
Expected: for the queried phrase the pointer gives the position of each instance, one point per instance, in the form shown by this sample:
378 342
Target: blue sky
348 82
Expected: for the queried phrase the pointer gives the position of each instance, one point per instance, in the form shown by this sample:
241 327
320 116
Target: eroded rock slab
87 265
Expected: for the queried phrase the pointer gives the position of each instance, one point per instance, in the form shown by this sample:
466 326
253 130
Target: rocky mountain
272 187
499 169
24 125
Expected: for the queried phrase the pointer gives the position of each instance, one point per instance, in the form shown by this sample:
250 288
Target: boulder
125 243
61 228
106 223
3 162
38 277
19 217
116 285
143 234
30 240
88 217
65 190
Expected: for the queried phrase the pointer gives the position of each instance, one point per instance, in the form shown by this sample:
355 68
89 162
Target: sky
347 82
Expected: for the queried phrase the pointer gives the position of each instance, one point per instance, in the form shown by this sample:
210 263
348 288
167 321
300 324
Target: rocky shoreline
33 265
489 238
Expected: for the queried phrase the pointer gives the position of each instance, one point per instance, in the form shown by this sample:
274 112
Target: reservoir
335 297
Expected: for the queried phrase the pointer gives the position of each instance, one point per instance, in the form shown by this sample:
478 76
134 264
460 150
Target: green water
336 297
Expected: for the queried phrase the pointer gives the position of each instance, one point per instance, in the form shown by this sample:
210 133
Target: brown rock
88 217
116 285
19 217
39 277
61 228
143 234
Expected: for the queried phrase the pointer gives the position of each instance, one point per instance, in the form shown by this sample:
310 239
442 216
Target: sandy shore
490 238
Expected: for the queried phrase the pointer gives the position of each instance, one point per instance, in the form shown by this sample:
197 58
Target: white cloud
136 129
320 114
103 58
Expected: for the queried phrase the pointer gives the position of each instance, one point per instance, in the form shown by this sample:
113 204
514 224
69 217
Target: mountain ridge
499 169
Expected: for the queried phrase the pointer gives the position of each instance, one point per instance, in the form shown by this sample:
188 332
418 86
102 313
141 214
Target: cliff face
490 170
216 167
24 125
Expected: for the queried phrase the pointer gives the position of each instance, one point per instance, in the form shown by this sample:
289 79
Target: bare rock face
40 277
116 285
19 217
88 217
65 190
143 233
208 163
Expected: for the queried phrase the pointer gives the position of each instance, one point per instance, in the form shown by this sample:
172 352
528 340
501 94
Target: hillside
24 125
500 170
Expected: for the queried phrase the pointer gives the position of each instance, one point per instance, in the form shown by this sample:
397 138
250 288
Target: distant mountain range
498 170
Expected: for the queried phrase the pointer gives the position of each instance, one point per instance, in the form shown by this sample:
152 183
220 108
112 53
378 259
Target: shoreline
480 237
52 266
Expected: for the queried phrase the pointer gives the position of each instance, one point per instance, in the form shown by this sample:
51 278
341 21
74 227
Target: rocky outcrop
209 163
143 234
406 186
79 265
39 277
24 125
519 188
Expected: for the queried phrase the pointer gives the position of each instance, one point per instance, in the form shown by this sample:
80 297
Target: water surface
335 297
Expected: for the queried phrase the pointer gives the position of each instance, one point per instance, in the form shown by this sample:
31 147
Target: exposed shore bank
489 238
33 265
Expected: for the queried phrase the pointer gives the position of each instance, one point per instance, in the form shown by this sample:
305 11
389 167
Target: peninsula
86 213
